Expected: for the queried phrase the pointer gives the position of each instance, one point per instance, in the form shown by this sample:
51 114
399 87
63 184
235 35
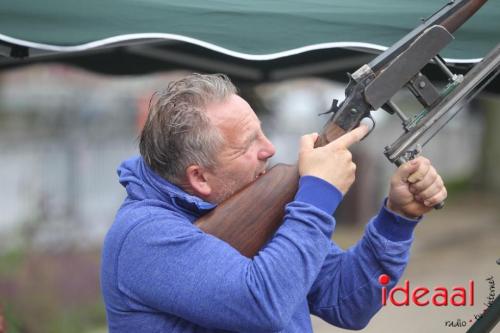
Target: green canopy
257 29
252 41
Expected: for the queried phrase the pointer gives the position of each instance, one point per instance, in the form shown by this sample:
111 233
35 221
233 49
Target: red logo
423 296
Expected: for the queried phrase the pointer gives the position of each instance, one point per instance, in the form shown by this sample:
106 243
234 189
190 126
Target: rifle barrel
451 16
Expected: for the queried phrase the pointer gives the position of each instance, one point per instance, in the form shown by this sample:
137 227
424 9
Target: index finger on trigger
351 137
307 142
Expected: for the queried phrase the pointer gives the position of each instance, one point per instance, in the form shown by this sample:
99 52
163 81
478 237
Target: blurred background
64 131
75 82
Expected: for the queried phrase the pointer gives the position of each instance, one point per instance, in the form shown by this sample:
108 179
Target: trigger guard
372 127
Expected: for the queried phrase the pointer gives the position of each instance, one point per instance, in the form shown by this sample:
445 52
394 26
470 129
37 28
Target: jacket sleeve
347 292
169 265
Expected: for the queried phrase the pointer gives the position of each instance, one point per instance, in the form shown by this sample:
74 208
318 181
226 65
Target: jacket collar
142 182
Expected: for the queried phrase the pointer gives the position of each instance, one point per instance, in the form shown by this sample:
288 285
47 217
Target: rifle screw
354 111
421 84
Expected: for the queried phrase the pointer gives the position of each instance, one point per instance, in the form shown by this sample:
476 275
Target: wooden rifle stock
249 218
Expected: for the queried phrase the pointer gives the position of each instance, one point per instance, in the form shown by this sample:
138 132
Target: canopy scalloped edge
220 49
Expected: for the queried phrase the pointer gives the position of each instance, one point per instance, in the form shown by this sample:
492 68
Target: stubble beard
229 186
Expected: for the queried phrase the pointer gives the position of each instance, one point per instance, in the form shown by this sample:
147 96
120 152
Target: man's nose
267 150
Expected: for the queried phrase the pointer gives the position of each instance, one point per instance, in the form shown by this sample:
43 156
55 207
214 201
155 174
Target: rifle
251 216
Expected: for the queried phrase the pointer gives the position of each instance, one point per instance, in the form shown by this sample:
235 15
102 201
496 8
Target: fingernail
427 203
413 162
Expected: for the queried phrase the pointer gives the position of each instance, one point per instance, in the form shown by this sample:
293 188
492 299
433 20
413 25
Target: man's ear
197 181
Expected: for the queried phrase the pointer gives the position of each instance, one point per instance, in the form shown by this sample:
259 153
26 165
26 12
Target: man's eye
246 147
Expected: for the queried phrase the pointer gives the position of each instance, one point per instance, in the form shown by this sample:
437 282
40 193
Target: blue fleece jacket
160 273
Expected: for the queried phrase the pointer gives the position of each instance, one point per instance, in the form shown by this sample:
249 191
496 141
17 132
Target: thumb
307 142
405 170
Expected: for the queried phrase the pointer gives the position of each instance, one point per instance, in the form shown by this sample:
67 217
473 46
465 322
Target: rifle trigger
333 108
371 128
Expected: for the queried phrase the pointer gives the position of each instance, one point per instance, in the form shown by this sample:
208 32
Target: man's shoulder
143 218
136 226
141 212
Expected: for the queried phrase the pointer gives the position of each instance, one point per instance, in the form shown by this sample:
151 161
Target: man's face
246 149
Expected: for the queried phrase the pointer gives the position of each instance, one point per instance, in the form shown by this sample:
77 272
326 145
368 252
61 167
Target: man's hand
415 188
333 162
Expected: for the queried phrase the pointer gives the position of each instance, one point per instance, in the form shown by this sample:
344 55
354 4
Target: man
200 144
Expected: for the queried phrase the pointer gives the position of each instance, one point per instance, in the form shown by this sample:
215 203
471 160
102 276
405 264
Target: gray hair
178 133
